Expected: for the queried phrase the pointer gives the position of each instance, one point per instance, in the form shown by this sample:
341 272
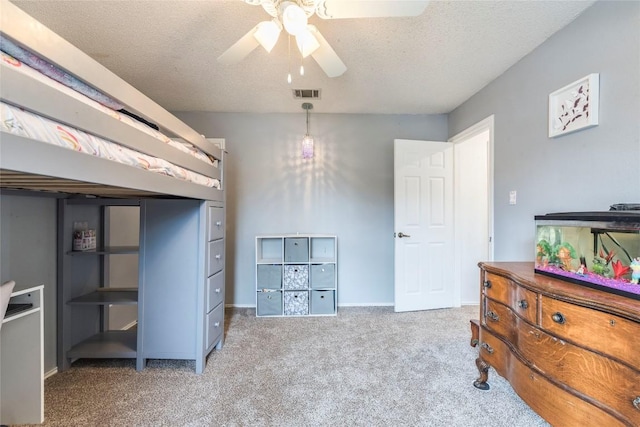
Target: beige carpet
364 367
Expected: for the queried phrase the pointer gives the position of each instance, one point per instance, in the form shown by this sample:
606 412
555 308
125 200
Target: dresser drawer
563 409
216 223
215 324
521 300
612 383
216 257
592 329
500 319
215 290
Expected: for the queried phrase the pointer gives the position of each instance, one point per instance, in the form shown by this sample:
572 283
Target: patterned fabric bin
296 303
296 277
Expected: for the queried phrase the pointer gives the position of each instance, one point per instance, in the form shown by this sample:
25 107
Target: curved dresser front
572 353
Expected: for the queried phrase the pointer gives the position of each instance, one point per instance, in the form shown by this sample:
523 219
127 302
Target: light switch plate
512 197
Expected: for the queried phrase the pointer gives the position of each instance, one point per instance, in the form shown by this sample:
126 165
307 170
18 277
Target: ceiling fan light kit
267 33
293 16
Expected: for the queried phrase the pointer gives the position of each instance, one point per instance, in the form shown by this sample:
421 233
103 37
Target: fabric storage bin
323 302
269 303
296 249
269 276
296 303
323 276
296 276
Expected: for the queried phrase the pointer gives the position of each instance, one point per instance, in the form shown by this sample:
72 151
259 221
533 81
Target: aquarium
596 249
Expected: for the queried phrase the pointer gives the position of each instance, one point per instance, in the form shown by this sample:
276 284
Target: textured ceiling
429 64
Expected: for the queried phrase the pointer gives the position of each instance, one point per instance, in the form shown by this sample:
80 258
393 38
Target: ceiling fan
293 15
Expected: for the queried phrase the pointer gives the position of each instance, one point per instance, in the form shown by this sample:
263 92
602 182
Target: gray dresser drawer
323 276
216 257
215 324
269 276
216 223
296 249
269 303
296 277
296 303
323 302
215 290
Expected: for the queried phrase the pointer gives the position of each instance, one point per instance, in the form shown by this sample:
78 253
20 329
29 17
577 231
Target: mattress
24 123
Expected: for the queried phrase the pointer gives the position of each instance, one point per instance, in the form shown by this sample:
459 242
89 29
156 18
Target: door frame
487 124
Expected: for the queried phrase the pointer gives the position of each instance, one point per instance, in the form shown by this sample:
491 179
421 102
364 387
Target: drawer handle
487 347
523 303
218 223
558 318
636 403
218 256
217 324
487 284
493 316
217 290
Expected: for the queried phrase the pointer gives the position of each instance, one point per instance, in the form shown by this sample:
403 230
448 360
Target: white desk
22 361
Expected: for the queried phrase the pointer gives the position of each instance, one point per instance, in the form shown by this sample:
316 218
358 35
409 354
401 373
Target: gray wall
347 190
586 170
28 255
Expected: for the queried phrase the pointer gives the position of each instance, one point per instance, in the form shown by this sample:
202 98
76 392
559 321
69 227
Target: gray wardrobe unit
180 295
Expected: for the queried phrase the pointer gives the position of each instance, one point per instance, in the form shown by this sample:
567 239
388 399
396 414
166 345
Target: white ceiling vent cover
306 93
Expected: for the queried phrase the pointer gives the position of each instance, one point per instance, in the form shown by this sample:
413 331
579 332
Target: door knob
401 235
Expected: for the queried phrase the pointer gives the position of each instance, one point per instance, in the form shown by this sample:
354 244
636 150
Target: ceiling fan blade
339 9
240 49
326 57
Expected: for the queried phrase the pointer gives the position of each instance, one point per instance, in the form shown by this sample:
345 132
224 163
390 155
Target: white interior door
424 225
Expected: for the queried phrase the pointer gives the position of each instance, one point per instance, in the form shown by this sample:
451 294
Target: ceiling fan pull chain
289 73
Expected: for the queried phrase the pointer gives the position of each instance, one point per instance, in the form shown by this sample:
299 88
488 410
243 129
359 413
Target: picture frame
575 106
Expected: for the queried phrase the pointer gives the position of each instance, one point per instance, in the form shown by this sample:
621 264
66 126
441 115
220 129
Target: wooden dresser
572 353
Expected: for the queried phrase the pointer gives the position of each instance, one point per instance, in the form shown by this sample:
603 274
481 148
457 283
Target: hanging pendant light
307 141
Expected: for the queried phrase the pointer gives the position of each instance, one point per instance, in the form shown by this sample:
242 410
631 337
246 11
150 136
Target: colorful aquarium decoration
596 249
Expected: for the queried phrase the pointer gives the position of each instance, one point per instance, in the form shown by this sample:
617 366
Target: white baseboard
356 304
366 304
50 373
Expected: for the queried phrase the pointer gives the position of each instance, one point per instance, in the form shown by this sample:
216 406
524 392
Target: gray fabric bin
296 276
323 302
296 249
296 303
269 276
323 276
269 303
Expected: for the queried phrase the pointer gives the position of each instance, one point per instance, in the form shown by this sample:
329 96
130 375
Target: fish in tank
596 249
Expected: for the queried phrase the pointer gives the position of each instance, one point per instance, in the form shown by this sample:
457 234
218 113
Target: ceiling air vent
306 93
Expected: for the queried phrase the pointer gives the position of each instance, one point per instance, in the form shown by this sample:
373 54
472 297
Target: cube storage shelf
296 275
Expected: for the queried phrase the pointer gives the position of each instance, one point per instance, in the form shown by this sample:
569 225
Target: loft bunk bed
71 127
66 165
